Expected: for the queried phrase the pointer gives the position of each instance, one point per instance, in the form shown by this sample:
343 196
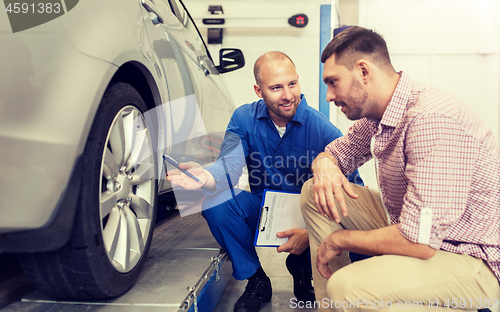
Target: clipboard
279 211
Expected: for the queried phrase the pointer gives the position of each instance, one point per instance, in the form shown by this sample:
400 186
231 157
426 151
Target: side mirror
230 59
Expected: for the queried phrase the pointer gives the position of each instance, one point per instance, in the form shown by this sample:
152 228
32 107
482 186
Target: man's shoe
257 291
302 277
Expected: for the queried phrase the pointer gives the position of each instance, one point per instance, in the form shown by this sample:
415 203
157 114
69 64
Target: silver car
92 94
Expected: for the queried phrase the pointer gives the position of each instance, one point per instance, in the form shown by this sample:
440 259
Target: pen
176 165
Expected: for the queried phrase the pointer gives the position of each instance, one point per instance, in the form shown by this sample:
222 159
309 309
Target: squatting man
277 138
435 225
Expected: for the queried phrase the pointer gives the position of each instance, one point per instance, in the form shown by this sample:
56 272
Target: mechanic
435 225
277 138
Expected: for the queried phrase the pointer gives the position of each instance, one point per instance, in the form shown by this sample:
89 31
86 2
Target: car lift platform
186 271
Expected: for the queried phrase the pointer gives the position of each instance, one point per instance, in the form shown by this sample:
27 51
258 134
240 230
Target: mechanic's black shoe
257 291
302 277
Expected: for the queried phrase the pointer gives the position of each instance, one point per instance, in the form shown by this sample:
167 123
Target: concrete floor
273 264
181 251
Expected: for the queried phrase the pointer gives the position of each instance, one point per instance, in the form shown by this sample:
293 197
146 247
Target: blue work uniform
273 162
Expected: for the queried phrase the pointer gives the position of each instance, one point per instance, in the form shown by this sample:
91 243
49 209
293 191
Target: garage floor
180 255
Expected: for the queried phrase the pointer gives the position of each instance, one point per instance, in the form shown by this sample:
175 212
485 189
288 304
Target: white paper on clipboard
280 211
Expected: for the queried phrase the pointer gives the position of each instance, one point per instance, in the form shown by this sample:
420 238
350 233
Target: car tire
114 221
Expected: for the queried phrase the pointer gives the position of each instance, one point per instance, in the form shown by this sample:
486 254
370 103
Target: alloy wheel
127 189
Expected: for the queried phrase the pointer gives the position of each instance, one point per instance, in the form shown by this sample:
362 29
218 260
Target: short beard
358 97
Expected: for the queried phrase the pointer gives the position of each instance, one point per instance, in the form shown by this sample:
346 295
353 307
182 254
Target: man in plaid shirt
435 224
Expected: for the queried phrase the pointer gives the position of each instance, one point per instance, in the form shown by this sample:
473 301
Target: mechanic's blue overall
273 162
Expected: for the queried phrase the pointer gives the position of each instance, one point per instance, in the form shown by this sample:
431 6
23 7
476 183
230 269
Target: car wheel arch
139 77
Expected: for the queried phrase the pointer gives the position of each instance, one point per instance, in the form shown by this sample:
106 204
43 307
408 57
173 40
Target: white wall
451 44
260 26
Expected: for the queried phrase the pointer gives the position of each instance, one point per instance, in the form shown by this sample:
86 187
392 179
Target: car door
217 105
182 58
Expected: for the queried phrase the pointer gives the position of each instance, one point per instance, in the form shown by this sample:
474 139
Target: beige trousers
392 282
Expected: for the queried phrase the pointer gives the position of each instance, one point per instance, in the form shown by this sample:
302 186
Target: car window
172 6
186 20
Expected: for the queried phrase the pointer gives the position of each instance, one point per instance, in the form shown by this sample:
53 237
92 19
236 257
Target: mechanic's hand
326 252
179 178
328 180
298 241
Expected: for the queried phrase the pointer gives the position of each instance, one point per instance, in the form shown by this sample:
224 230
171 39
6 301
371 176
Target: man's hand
326 252
386 240
181 179
297 241
328 180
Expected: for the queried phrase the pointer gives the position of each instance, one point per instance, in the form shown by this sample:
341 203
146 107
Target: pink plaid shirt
437 163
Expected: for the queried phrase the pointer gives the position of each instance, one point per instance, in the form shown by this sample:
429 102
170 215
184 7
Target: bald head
268 58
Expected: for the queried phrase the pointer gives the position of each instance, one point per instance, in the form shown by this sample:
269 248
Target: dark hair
354 43
269 57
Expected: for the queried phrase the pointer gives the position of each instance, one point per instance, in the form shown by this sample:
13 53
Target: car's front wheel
114 222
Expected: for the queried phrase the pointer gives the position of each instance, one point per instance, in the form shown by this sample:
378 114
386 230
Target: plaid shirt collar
398 104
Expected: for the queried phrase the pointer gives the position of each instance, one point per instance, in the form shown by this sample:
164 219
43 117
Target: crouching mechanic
278 136
435 225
